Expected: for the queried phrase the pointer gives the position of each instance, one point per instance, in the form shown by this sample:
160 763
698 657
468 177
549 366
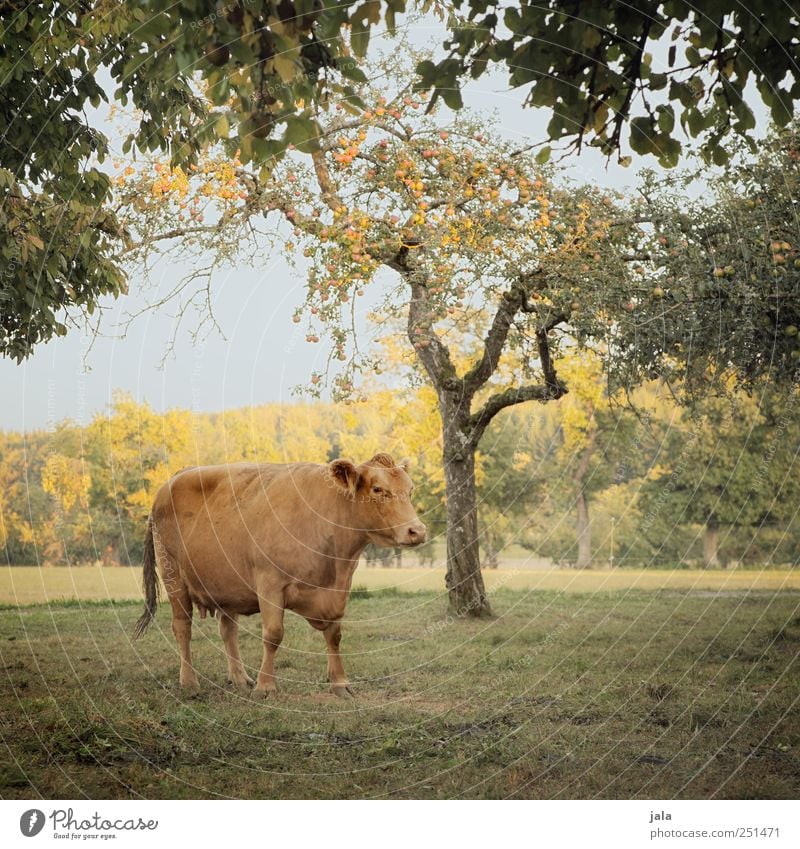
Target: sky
260 355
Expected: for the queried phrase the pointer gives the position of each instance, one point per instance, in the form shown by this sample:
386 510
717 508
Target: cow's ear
405 464
345 474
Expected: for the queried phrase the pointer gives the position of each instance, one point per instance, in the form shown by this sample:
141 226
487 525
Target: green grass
623 694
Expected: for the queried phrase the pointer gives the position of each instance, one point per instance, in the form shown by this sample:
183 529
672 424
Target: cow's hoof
265 694
343 691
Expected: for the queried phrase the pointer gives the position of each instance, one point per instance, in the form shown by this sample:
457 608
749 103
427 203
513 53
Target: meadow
21 585
587 689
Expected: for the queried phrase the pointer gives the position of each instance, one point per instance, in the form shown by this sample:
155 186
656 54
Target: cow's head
381 493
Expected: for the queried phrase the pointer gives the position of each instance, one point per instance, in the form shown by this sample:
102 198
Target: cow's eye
377 490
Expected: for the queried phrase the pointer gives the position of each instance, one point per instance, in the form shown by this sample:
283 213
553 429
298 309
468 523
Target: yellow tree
134 450
67 480
579 427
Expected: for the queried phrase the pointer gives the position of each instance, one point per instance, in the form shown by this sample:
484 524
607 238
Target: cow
245 538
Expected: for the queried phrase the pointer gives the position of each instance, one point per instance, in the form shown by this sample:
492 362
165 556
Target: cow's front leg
271 607
229 631
336 674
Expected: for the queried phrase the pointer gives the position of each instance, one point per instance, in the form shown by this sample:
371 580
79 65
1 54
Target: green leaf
452 97
666 118
359 39
781 110
719 155
222 127
693 57
513 20
302 132
591 38
642 135
348 68
543 155
427 72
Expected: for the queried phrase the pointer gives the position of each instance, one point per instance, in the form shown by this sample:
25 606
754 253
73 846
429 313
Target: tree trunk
583 528
584 532
711 545
463 579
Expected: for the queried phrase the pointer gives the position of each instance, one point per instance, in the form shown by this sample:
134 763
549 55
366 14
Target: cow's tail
149 582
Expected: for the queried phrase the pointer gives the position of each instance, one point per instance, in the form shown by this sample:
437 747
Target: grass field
587 691
34 585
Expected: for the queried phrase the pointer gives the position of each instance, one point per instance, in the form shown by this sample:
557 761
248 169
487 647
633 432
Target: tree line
587 482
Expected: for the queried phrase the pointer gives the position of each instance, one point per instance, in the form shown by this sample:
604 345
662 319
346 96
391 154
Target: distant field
620 694
36 585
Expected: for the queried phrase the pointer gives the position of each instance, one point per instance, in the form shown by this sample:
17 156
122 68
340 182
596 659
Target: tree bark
711 544
584 532
463 578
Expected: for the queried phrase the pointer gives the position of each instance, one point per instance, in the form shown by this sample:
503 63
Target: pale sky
262 356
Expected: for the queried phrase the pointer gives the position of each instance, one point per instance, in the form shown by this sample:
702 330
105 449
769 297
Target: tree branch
548 369
432 353
478 422
551 390
176 233
495 340
328 193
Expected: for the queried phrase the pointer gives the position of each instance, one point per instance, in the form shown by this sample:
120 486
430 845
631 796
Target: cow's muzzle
414 534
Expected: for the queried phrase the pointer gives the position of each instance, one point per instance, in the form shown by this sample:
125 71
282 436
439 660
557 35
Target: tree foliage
258 77
730 463
667 71
249 75
57 237
720 291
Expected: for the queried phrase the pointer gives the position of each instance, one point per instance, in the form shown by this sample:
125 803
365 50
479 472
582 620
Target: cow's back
224 525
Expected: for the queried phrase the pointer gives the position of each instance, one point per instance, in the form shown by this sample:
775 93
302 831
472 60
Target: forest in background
590 481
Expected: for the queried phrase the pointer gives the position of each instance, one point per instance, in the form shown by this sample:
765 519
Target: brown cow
247 538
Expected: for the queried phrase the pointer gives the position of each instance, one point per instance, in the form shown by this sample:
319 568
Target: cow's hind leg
182 629
181 605
229 631
271 606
